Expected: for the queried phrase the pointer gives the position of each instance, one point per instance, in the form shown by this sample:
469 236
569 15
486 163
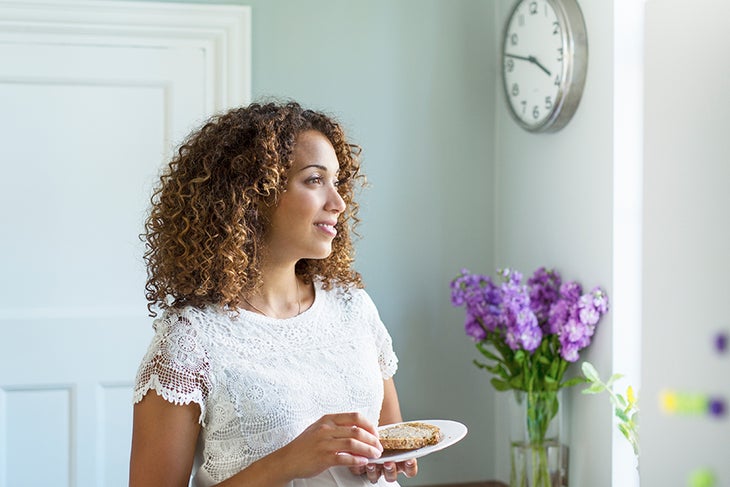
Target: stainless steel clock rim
575 44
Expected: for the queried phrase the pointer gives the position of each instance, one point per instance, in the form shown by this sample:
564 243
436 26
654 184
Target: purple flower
600 300
482 301
474 329
569 352
544 286
521 325
571 291
587 312
557 316
576 319
523 315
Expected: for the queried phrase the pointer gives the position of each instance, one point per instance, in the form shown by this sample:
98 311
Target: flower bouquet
530 334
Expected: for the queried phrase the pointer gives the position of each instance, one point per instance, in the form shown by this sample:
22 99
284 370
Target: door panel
89 114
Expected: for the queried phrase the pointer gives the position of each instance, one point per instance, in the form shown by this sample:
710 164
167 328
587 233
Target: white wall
686 237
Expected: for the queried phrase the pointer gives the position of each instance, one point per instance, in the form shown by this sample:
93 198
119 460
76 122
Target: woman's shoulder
341 291
191 319
348 297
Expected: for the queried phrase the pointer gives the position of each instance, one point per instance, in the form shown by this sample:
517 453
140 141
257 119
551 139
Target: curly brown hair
204 234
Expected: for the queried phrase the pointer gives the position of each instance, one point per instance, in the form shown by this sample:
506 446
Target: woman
269 365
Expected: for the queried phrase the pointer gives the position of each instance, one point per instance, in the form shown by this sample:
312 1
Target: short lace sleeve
384 343
176 364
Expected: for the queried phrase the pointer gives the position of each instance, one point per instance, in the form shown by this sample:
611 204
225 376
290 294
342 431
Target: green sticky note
702 477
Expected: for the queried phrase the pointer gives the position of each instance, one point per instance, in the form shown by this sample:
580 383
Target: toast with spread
409 436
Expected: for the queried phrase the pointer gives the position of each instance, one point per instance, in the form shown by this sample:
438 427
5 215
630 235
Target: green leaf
487 353
590 372
543 360
614 378
621 415
625 430
554 368
480 365
621 401
595 388
500 385
574 382
519 356
517 382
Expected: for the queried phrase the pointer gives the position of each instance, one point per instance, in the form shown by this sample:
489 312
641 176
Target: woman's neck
282 294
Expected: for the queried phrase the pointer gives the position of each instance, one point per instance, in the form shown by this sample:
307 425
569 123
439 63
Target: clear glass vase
538 458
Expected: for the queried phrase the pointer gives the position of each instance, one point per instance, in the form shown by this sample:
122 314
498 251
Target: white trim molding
222 32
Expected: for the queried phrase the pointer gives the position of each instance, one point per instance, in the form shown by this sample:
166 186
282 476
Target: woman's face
303 223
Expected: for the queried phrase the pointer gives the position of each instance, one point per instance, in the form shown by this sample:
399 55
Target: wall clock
544 62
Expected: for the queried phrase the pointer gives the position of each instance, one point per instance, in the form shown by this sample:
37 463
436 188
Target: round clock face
540 54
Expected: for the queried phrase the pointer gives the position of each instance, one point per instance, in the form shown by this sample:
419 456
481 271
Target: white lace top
261 381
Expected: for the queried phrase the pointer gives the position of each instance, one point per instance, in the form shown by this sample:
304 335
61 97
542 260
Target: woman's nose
335 202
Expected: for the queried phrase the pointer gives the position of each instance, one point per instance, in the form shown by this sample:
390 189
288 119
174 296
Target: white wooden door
93 97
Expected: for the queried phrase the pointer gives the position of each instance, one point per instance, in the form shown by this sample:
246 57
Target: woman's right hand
345 439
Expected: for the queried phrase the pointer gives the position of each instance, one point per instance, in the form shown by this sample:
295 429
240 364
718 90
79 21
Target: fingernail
371 468
410 463
389 468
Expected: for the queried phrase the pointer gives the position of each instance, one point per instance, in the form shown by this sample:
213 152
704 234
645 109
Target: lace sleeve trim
388 360
171 395
176 364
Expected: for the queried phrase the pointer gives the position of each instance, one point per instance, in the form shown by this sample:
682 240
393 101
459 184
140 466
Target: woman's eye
315 180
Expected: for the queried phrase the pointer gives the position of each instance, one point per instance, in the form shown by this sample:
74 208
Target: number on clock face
533 61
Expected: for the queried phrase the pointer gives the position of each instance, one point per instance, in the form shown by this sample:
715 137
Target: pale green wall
414 81
554 207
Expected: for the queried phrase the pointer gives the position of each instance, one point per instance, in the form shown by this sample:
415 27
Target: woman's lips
328 228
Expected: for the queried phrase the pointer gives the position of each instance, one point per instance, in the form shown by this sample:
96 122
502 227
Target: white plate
451 432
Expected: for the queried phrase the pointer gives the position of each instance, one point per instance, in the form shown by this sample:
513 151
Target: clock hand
534 60
517 57
531 59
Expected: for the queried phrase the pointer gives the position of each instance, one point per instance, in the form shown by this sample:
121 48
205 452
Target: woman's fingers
353 419
389 470
354 434
354 447
350 437
373 472
358 470
409 468
359 434
345 439
342 439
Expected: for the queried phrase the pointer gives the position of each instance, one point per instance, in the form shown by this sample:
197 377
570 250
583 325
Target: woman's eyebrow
318 166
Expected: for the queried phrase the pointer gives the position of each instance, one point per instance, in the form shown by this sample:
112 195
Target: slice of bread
408 436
